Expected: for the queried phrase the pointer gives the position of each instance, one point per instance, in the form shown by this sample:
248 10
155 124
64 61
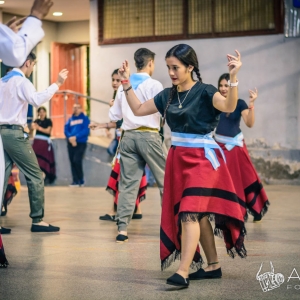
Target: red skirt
3 260
246 181
45 156
192 190
113 182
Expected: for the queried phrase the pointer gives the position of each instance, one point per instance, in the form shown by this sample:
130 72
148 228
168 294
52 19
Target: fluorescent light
57 14
2 2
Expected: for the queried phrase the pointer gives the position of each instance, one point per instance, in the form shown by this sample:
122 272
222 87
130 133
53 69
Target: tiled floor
84 262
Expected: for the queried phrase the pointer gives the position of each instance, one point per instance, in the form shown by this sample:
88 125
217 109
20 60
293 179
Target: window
133 21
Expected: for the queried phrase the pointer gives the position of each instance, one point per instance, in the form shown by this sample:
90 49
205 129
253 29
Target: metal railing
76 95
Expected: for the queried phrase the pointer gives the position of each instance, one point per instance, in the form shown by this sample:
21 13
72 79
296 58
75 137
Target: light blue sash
207 142
10 74
136 79
230 142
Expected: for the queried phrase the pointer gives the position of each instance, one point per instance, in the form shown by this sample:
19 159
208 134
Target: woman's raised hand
252 96
124 71
234 63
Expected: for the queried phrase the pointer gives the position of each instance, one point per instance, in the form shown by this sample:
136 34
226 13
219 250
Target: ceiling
73 10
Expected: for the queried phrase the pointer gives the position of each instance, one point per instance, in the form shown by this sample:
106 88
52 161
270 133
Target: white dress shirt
16 94
121 110
15 47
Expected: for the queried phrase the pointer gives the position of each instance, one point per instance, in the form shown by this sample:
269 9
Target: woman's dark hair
42 108
223 76
142 57
116 71
188 57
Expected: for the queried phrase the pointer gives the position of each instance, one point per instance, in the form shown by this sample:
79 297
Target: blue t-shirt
197 114
229 124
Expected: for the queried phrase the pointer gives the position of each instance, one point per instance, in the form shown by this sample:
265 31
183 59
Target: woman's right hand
234 63
93 126
124 71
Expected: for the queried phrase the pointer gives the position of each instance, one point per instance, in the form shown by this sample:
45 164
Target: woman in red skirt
42 145
230 137
113 181
10 193
197 183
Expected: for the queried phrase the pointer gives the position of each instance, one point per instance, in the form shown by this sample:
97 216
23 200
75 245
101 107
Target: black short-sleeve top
229 124
44 124
197 114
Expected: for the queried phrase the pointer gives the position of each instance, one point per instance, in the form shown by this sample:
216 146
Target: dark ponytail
172 93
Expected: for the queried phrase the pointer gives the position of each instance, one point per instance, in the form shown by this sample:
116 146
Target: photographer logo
269 280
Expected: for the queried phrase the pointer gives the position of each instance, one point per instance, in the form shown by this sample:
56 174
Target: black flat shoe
108 217
39 228
257 219
178 280
121 238
4 265
3 213
5 230
137 216
201 274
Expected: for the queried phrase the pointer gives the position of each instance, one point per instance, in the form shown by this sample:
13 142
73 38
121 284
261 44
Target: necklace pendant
180 106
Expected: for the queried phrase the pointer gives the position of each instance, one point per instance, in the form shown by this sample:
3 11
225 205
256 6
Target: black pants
76 157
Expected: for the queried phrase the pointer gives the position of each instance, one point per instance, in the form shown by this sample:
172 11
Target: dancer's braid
198 74
172 92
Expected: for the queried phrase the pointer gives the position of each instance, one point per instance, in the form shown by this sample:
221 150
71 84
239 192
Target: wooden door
73 58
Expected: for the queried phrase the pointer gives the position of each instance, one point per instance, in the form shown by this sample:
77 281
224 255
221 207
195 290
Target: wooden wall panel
66 56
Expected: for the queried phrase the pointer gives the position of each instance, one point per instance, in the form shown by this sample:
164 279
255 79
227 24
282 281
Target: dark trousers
76 156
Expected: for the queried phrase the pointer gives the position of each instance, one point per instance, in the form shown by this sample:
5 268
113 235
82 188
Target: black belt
13 127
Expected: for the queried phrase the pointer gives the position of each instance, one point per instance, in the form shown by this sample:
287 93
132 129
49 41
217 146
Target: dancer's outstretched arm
229 103
108 125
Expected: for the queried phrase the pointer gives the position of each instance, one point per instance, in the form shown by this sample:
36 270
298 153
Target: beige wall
270 63
73 32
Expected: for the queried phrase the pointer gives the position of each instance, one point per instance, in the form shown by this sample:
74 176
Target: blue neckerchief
136 79
10 75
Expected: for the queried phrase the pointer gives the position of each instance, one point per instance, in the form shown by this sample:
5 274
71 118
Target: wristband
233 84
127 89
251 107
34 17
124 81
107 126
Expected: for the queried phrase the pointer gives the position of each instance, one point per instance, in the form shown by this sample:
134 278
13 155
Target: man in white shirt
16 93
141 143
15 44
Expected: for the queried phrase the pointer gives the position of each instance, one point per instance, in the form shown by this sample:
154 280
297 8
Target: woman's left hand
234 63
252 96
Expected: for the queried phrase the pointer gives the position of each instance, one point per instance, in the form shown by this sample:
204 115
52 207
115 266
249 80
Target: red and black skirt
113 183
192 190
45 156
247 184
10 193
3 260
